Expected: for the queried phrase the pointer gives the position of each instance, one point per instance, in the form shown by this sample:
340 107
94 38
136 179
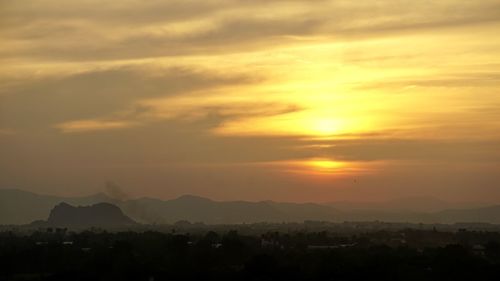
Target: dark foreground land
224 254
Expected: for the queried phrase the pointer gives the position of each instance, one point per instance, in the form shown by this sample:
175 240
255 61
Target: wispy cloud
129 29
102 93
92 125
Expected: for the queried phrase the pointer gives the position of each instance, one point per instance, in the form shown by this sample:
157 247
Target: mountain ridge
22 207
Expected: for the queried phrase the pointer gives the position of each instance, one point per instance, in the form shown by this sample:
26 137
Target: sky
286 100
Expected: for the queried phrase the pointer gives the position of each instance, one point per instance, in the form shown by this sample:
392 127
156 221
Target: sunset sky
311 100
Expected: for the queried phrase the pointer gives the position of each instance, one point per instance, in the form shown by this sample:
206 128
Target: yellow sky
331 85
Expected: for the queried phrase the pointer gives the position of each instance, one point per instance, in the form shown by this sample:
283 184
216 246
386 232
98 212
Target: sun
326 127
328 166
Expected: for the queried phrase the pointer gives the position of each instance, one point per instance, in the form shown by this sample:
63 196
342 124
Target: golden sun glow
326 126
325 165
315 166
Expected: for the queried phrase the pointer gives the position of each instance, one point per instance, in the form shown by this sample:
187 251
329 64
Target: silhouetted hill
21 207
101 214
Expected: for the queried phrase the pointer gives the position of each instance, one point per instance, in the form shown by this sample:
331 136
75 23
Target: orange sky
234 99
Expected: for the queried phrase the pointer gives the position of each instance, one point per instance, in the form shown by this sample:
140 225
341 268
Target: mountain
101 214
198 209
21 207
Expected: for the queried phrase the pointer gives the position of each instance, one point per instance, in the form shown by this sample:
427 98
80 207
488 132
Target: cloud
92 125
191 114
33 102
131 29
128 12
415 149
214 106
448 80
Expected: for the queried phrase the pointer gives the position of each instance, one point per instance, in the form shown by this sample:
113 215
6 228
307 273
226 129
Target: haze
252 100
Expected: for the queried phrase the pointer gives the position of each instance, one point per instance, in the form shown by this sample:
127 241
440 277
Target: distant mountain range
22 207
411 204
